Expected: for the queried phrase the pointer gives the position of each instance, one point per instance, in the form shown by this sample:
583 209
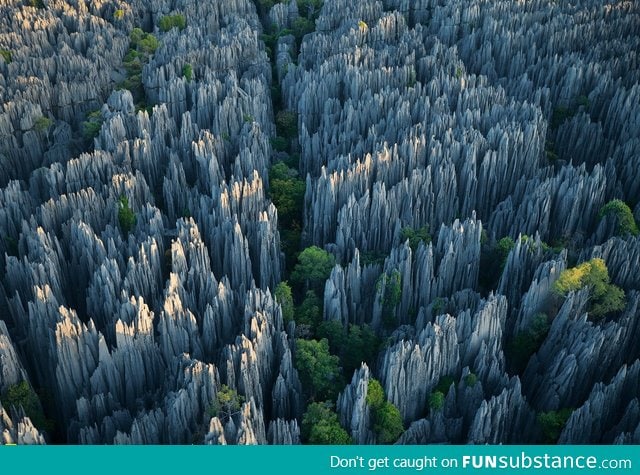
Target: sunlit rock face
140 245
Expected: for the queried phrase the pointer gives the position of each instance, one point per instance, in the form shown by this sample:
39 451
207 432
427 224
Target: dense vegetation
604 297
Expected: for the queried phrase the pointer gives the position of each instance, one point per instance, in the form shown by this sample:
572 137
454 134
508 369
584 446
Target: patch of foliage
436 401
168 22
43 123
309 312
552 423
320 426
624 217
141 46
6 55
354 345
187 72
126 217
385 417
91 126
285 298
313 268
319 370
226 404
287 192
118 14
22 395
527 342
470 380
280 144
604 297
415 236
287 124
391 296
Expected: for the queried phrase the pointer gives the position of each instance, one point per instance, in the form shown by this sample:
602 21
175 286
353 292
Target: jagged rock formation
139 262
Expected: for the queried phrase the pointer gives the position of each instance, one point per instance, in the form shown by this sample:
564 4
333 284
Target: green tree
285 298
287 193
444 384
624 217
43 123
604 297
118 14
6 55
319 370
187 72
126 216
313 268
552 423
287 124
168 22
310 311
503 248
227 403
320 426
528 341
415 236
336 335
470 380
436 400
385 417
391 296
22 395
91 126
360 345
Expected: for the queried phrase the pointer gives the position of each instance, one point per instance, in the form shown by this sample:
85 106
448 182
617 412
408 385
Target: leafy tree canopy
285 299
604 297
385 417
313 268
622 212
319 370
552 423
320 426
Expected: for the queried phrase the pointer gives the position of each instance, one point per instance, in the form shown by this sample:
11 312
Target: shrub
391 296
470 380
415 236
91 126
226 404
310 311
528 341
313 268
22 395
604 297
285 299
168 22
552 423
6 55
624 217
287 124
36 3
386 420
287 193
320 426
118 14
43 123
319 370
444 384
279 144
436 401
126 216
187 72
144 43
301 26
